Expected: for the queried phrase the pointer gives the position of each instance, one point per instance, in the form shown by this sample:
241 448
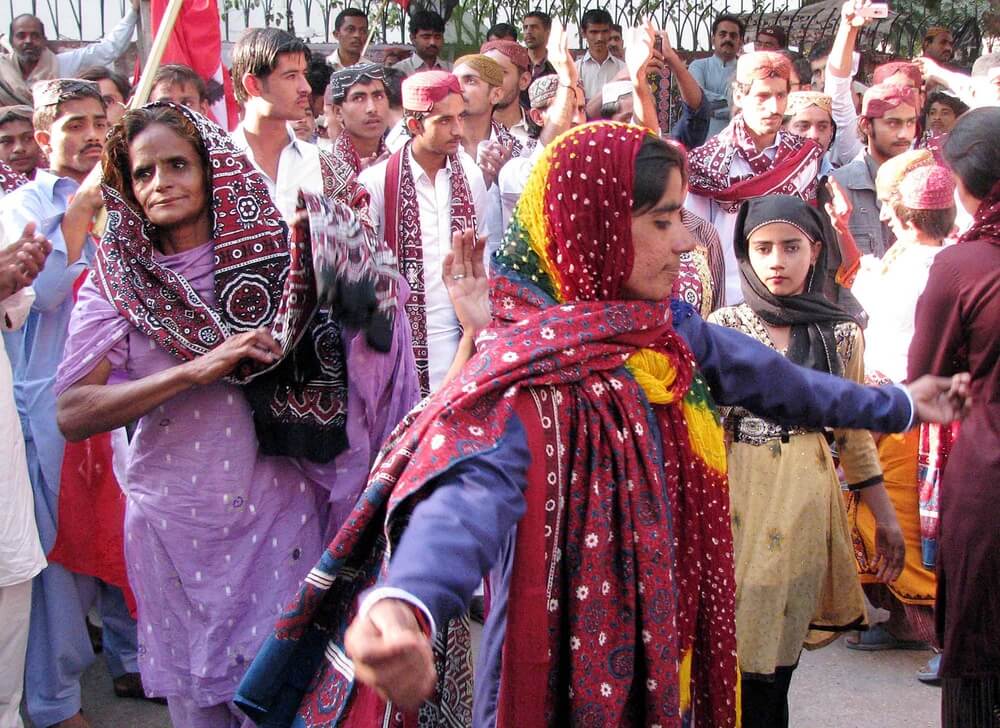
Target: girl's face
781 255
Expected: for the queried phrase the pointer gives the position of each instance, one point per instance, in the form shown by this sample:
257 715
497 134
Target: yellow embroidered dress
796 579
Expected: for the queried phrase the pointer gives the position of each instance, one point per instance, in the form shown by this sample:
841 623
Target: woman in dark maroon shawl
958 329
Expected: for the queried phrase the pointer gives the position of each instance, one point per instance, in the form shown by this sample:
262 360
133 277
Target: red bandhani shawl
793 170
263 277
10 179
637 594
402 234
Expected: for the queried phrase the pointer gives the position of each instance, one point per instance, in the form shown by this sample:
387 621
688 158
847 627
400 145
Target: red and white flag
196 41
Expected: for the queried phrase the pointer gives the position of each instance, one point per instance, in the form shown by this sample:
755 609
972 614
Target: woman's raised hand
464 275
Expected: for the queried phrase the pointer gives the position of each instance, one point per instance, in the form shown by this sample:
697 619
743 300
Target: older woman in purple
259 407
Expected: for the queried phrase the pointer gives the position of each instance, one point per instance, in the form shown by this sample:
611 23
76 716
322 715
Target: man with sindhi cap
888 124
752 157
901 73
838 81
423 194
808 114
70 124
481 79
939 44
516 65
361 109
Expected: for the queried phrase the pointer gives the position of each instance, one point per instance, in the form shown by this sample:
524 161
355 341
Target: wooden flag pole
145 86
371 33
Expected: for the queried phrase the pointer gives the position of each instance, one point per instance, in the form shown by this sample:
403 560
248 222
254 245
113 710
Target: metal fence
687 21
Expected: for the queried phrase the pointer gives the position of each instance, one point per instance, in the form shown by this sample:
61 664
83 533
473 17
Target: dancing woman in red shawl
607 539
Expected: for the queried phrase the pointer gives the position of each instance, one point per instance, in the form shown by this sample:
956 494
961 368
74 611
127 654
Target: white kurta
888 290
434 206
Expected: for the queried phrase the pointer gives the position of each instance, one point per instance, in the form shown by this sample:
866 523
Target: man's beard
507 103
30 55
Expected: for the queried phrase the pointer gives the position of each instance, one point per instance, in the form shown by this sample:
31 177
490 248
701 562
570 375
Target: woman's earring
809 283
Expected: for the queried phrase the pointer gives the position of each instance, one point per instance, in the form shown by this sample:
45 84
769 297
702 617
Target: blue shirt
716 81
44 201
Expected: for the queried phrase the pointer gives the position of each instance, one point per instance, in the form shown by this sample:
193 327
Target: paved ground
833 688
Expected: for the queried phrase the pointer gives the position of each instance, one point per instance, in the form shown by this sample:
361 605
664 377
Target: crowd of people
422 341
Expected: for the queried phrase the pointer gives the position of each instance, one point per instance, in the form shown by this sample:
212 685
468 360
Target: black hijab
811 314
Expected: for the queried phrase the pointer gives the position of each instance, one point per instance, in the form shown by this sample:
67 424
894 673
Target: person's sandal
129 685
929 673
878 638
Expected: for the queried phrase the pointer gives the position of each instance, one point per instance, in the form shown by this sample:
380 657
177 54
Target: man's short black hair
502 31
800 64
257 53
394 87
820 49
727 18
99 73
595 16
426 20
545 18
318 75
345 14
957 106
616 28
177 74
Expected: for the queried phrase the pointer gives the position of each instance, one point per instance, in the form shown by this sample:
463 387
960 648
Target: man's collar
48 181
334 59
239 136
418 170
588 57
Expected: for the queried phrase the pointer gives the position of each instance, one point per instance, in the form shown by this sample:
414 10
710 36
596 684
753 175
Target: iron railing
687 21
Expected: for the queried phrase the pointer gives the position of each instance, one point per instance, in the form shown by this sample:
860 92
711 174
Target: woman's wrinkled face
168 177
658 240
781 255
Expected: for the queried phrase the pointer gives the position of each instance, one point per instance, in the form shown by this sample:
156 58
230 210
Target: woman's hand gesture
257 345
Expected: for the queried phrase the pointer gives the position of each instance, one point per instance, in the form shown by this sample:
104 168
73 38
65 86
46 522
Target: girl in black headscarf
796 579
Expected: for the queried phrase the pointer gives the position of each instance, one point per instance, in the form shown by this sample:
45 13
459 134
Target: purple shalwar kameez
217 535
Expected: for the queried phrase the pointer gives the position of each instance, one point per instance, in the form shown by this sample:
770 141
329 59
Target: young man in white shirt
350 28
598 66
423 194
269 79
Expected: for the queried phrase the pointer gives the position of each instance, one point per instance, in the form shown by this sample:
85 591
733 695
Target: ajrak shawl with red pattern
508 139
402 234
793 170
10 179
263 277
632 577
346 157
